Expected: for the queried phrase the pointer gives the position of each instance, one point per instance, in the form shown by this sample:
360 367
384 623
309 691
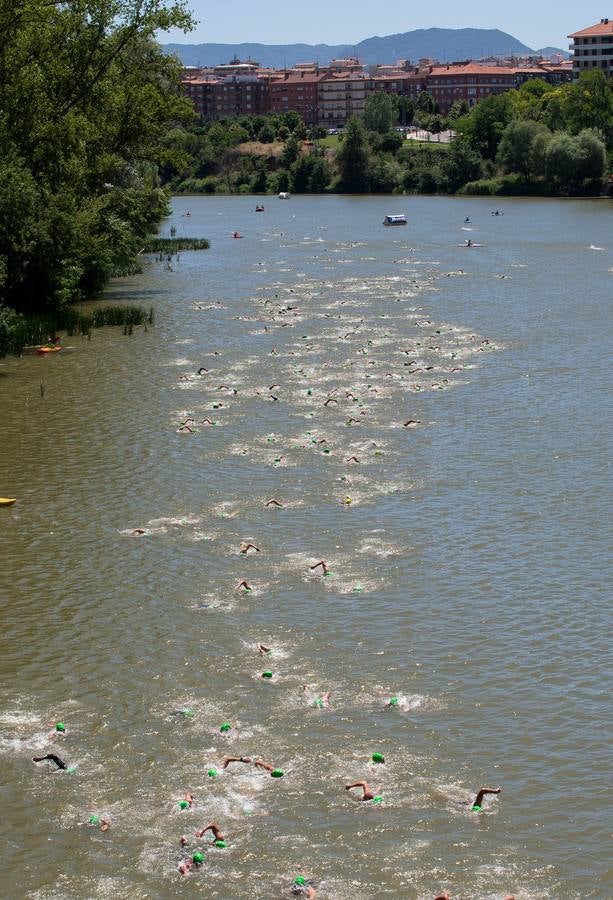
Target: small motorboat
284 195
49 348
7 501
395 220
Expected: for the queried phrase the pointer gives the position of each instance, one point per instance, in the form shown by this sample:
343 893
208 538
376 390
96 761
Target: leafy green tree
379 112
458 108
487 122
589 103
514 151
460 164
425 102
593 156
86 100
405 109
353 159
321 175
291 151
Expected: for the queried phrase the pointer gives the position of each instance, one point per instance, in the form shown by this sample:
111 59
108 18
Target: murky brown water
469 571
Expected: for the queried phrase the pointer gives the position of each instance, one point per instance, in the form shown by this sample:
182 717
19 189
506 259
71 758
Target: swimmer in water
214 829
186 866
443 896
183 841
367 792
476 807
247 545
303 887
202 370
243 584
273 502
185 429
323 566
411 422
353 459
320 702
230 759
53 758
262 648
137 531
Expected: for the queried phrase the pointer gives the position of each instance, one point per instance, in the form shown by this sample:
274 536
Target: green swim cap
326 450
221 844
183 804
198 858
226 727
60 726
328 573
393 701
300 879
357 589
267 674
476 808
276 773
377 799
318 702
71 770
212 773
378 758
187 712
94 820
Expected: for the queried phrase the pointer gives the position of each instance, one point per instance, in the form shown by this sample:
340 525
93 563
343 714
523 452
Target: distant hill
553 51
444 44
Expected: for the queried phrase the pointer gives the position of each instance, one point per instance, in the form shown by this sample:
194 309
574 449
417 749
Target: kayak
470 246
42 350
7 501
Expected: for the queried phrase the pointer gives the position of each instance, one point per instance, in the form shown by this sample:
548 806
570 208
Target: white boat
284 195
395 220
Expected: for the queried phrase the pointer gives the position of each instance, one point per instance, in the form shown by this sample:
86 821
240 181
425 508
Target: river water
467 552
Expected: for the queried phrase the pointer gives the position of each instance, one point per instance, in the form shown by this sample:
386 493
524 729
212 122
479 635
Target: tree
87 98
379 112
487 122
515 149
592 156
425 102
291 151
562 158
353 160
589 103
460 164
321 175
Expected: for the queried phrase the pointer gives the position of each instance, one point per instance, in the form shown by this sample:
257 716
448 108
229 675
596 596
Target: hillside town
330 95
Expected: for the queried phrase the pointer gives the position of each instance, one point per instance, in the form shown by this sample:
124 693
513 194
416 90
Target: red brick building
296 91
468 81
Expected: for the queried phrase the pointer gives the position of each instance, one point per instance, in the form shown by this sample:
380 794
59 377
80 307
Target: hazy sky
534 23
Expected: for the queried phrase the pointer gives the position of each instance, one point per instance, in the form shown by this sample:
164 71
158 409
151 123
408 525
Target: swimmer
273 502
230 759
411 422
367 792
476 807
206 421
443 896
245 585
214 829
351 420
53 758
324 700
189 799
137 531
247 545
185 429
273 386
323 566
330 400
202 370
352 459
183 841
303 887
262 648
260 764
186 866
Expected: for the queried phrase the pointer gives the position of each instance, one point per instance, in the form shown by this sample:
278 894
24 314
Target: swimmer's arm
263 765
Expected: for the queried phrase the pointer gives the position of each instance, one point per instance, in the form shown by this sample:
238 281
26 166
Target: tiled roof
472 69
594 30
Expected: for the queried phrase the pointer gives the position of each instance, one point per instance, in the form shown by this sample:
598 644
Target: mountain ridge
444 44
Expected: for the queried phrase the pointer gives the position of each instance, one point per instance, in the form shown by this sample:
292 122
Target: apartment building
469 81
593 48
341 97
298 91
